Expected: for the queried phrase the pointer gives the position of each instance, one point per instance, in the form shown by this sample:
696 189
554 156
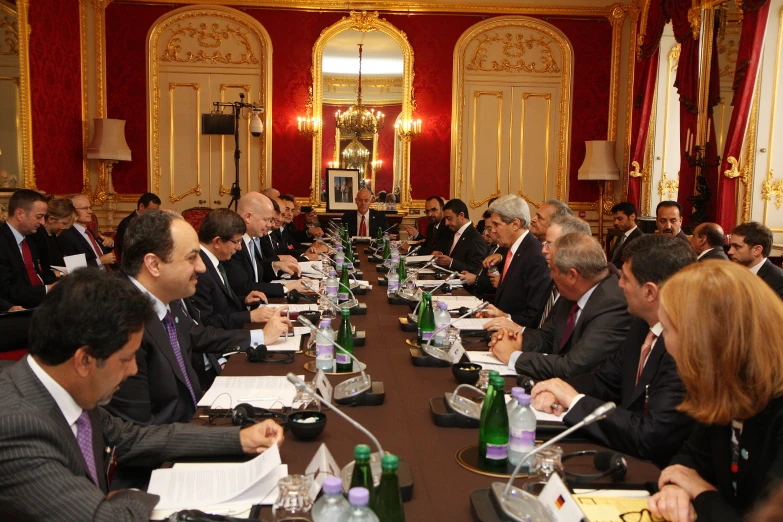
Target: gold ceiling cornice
397 6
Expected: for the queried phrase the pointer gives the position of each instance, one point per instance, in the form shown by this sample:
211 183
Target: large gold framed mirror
382 158
16 150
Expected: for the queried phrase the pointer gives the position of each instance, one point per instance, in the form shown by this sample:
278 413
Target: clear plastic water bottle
332 504
324 349
442 318
522 431
339 258
359 511
513 404
395 257
332 284
394 283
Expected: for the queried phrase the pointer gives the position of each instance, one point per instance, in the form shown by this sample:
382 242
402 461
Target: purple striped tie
84 438
168 322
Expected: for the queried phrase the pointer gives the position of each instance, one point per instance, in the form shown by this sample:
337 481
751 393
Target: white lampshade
108 142
599 164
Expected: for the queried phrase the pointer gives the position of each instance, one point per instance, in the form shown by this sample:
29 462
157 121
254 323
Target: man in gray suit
588 323
53 434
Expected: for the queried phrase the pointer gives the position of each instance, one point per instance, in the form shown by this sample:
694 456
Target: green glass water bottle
349 256
386 252
493 438
379 236
344 339
426 326
362 476
402 272
343 290
388 503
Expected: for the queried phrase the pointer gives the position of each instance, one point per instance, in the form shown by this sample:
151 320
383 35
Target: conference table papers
265 391
409 260
471 323
489 362
209 485
458 301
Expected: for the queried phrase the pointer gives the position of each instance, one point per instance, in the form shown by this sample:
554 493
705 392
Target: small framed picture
341 188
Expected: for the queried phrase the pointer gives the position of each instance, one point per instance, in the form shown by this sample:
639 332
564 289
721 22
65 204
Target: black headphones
245 414
609 463
256 353
294 296
259 354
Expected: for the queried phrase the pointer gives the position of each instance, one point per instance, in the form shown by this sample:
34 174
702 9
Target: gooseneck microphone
301 386
439 353
413 317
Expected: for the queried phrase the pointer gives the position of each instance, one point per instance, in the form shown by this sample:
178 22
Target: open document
194 487
458 301
227 392
417 259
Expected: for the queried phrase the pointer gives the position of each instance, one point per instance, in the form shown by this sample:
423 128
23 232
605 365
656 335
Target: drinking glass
293 500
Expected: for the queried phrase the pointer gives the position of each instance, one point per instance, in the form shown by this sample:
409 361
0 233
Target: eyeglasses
638 516
547 244
237 242
487 231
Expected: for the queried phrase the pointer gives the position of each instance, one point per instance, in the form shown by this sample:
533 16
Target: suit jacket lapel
648 373
213 273
513 266
99 450
161 338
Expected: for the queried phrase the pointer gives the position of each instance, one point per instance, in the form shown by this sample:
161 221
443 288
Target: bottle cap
517 389
493 373
523 399
332 273
359 497
498 382
361 451
390 461
325 323
333 485
443 305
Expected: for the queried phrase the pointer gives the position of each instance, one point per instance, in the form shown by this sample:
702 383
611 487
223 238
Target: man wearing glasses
80 239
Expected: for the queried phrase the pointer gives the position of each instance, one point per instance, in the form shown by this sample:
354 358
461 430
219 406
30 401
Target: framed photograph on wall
341 188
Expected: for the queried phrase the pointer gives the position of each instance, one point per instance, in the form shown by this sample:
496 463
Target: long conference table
403 423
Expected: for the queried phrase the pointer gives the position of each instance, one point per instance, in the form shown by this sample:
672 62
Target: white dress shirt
19 238
458 235
755 269
70 410
705 253
83 231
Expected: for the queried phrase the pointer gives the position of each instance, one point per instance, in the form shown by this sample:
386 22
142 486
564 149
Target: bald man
364 221
271 192
80 239
707 241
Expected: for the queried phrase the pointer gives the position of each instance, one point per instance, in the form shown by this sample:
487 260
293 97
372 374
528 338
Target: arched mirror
362 41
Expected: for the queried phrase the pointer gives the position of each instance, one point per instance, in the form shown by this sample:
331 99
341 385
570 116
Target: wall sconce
308 126
334 164
109 146
408 129
376 165
600 166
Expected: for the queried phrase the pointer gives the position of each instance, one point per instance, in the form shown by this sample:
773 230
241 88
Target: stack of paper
417 259
312 269
471 323
304 307
267 391
424 283
457 301
489 362
286 344
218 488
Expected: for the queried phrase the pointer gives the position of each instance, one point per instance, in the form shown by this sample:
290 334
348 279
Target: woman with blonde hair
60 215
724 327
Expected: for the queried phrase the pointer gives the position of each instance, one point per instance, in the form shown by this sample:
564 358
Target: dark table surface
403 424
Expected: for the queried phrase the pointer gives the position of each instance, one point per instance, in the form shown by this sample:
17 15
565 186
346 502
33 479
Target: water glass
293 500
548 462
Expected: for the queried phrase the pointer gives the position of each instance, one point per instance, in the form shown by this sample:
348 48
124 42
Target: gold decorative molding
10 28
647 171
734 172
772 188
635 173
264 70
472 203
669 186
211 39
632 12
513 48
25 124
86 188
378 82
674 57
694 18
197 189
461 64
364 22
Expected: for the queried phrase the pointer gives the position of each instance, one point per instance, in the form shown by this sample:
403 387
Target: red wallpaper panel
126 86
55 92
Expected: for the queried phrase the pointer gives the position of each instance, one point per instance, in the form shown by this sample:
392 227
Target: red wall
55 93
433 38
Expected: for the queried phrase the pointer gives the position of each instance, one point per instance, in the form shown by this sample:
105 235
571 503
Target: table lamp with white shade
600 166
109 146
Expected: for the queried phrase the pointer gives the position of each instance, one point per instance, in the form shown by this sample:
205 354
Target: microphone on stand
408 295
410 252
440 353
412 316
360 391
508 502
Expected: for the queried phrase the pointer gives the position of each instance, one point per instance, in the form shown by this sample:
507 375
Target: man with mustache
83 345
668 218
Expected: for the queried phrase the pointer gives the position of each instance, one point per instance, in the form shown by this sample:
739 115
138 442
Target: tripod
236 108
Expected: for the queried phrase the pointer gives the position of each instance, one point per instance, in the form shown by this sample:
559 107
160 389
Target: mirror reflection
11 174
366 142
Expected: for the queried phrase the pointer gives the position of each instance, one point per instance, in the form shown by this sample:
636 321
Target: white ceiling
380 54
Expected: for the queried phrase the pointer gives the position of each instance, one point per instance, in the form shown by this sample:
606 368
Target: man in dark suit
147 201
220 236
439 236
162 259
641 377
525 281
751 244
23 281
288 242
54 437
549 210
80 239
467 249
624 215
364 221
481 283
588 323
248 269
707 242
668 219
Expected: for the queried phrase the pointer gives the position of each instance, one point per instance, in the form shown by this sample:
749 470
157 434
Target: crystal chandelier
359 120
355 156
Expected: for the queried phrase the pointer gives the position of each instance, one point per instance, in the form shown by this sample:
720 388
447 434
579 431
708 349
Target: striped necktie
549 304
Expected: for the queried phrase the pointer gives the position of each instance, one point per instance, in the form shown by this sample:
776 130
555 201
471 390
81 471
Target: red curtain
749 54
646 75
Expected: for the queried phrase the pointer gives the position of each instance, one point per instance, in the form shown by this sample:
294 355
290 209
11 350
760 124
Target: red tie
646 349
569 326
98 251
27 256
509 257
363 228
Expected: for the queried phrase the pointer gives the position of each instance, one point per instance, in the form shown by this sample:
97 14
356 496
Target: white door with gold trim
512 93
199 56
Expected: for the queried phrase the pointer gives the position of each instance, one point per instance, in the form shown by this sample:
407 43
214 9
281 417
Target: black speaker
222 124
